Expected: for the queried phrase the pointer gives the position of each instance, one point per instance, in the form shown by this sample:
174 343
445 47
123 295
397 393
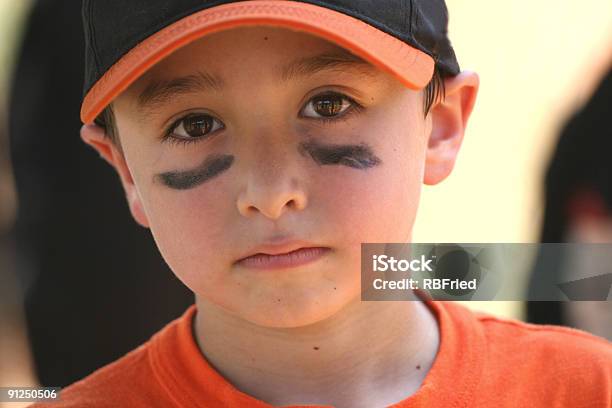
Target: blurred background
72 256
539 63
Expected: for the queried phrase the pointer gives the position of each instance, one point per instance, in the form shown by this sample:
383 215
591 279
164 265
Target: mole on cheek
185 180
356 156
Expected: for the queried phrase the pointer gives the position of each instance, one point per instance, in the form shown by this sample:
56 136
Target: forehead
248 46
247 54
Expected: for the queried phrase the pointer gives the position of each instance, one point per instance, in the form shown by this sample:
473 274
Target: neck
370 351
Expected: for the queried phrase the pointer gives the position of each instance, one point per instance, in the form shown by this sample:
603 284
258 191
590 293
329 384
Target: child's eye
328 106
194 126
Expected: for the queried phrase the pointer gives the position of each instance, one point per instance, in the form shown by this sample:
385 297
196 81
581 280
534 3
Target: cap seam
92 35
414 21
405 15
410 30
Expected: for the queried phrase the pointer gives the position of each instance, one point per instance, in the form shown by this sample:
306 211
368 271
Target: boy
262 142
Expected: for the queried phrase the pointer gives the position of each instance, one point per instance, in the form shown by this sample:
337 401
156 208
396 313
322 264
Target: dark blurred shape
578 182
595 288
96 286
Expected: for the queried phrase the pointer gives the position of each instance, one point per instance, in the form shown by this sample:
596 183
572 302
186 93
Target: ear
449 120
95 136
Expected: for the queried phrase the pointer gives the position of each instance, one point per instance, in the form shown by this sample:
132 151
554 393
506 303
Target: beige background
537 61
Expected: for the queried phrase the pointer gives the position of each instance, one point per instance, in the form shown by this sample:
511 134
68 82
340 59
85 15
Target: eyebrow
337 60
160 92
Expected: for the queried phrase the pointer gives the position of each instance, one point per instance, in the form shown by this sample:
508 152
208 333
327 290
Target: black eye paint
185 180
356 156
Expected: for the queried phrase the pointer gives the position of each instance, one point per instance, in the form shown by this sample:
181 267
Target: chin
298 312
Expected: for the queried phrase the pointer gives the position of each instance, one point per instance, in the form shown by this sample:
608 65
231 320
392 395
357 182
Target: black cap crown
114 27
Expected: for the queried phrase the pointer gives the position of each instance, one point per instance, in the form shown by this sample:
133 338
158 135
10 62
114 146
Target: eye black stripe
185 180
355 156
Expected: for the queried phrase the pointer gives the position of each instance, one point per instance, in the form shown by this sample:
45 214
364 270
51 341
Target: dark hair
106 120
433 92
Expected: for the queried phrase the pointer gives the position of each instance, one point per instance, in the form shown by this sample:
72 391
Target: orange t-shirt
483 361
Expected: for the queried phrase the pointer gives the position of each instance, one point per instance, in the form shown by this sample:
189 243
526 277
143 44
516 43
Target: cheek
379 204
188 226
190 230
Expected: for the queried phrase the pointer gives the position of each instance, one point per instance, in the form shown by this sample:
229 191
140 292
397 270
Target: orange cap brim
412 67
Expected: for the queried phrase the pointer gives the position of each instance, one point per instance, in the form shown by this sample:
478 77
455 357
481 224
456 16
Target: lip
282 256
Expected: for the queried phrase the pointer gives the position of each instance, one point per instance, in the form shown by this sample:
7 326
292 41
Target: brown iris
197 125
328 105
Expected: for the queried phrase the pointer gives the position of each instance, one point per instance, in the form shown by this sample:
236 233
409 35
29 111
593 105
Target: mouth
275 259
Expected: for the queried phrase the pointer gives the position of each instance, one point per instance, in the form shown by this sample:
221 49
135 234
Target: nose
272 187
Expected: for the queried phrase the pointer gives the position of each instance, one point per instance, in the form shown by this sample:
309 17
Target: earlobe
95 136
135 203
449 121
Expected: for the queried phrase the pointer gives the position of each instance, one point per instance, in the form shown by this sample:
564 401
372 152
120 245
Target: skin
298 335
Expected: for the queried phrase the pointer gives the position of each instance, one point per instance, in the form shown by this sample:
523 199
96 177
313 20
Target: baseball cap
123 39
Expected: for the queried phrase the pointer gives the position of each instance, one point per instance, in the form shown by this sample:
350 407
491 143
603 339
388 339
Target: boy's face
230 144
